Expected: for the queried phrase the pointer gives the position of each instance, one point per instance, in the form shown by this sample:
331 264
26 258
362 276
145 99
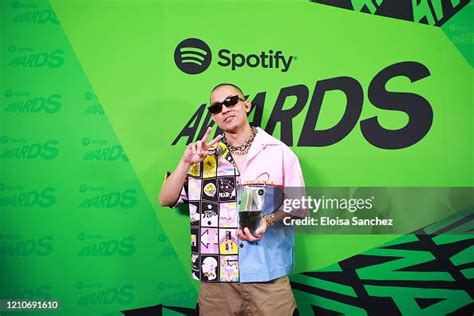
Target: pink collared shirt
271 161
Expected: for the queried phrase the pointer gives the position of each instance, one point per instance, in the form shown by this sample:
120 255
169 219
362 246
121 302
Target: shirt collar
263 138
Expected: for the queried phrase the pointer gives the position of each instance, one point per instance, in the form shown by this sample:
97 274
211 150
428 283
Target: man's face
230 119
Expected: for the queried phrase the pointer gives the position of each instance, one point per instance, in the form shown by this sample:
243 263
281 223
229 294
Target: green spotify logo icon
192 56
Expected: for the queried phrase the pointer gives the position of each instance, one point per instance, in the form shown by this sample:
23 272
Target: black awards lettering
417 108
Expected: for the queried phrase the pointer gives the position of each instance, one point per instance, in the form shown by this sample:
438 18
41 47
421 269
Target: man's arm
171 189
279 215
293 183
194 153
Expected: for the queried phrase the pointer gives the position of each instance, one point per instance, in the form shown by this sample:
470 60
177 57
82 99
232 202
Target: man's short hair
228 84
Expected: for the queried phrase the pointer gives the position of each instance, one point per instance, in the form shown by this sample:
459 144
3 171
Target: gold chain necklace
244 148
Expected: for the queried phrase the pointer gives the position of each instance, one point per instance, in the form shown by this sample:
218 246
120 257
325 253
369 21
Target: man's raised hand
196 152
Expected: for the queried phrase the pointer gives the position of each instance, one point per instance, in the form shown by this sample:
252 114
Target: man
246 276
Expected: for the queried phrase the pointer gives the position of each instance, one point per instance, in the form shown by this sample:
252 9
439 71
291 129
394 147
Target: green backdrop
92 100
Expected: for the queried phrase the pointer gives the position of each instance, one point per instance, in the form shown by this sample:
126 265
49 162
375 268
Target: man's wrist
184 164
269 220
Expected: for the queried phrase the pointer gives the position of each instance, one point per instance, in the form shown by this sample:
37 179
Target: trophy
256 201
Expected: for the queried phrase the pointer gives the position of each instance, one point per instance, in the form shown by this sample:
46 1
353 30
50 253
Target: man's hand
196 152
247 235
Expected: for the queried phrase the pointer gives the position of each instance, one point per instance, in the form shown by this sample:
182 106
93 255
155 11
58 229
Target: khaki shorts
260 299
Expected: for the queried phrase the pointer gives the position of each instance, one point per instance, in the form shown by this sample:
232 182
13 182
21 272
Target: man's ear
248 105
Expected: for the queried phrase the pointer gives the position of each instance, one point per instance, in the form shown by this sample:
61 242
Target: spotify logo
192 56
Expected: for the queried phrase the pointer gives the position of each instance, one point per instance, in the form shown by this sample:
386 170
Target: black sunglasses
216 107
